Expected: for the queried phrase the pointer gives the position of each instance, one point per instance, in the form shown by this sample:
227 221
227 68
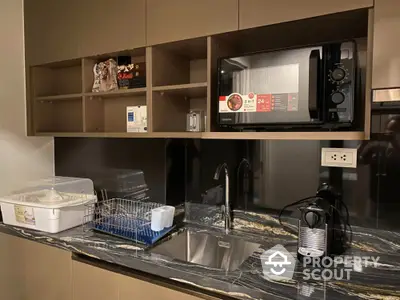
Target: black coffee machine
322 225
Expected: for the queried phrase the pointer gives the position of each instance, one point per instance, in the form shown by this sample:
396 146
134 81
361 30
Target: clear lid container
54 192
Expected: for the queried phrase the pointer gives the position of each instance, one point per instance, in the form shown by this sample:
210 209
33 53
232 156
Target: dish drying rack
124 218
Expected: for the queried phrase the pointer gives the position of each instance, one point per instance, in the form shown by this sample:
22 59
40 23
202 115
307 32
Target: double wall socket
339 157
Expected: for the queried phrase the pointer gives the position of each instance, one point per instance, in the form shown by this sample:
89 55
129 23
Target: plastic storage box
51 205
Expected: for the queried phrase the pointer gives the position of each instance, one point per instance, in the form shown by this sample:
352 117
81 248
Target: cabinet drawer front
52 30
386 54
174 20
131 288
253 13
112 26
93 283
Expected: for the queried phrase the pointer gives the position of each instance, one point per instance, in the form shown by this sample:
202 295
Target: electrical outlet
339 157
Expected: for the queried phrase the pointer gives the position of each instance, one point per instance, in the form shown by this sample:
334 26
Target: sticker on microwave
24 215
237 103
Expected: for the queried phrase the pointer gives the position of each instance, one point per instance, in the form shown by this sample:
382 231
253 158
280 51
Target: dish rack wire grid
124 218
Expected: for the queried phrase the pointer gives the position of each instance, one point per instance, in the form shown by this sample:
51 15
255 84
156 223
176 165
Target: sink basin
221 252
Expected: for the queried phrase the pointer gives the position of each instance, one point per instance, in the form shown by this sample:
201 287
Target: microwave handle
314 82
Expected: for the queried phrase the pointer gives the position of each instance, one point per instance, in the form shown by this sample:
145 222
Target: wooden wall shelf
190 90
218 135
121 93
180 76
123 134
58 97
285 135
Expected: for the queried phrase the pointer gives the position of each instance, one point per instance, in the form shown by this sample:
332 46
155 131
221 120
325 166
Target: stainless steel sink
215 251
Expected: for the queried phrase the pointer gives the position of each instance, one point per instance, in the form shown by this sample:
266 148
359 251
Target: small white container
50 205
169 215
157 219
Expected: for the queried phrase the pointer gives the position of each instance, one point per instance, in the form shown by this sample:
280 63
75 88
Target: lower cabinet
89 282
34 271
47 273
131 288
11 264
94 283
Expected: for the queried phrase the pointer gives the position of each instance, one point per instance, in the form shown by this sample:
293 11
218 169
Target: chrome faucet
226 209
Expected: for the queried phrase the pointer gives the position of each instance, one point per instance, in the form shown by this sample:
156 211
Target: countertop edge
150 278
83 257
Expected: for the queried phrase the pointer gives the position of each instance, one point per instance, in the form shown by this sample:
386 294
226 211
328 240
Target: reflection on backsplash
264 175
267 175
113 165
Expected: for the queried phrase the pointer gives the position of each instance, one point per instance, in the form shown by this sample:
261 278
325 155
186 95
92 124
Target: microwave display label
258 103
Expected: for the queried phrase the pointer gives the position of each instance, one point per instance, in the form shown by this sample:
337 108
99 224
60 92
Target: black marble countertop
367 281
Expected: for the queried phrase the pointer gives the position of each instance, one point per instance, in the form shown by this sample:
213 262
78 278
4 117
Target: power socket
339 157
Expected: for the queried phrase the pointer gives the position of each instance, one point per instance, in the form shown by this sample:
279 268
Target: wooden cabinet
386 54
90 282
131 288
47 272
111 26
31 271
68 29
93 283
52 30
253 13
11 272
174 20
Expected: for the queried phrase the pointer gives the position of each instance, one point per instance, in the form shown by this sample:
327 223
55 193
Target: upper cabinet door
254 13
386 53
52 30
174 20
111 26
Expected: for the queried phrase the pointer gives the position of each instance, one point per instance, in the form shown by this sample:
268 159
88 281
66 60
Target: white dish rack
50 205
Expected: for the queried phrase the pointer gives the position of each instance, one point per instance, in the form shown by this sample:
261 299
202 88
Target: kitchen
74 131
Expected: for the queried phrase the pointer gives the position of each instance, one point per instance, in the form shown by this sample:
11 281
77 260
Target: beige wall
21 158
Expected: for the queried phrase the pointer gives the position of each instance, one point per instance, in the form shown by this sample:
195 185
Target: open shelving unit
180 76
179 83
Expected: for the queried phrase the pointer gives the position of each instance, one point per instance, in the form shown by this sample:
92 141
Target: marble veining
371 281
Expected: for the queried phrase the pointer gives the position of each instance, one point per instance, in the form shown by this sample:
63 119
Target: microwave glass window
272 85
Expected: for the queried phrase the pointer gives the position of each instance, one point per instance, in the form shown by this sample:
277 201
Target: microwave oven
304 88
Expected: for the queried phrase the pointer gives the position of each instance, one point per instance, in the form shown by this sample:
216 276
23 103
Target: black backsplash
161 161
278 173
281 172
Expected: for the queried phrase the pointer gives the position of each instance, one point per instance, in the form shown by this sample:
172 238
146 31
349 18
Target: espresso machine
322 225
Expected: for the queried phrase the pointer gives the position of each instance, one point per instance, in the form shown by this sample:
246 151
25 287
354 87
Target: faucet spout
227 206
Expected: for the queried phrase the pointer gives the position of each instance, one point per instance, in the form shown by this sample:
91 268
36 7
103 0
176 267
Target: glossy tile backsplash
276 173
264 175
161 161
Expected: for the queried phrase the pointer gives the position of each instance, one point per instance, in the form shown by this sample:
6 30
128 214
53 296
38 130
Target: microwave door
241 84
285 85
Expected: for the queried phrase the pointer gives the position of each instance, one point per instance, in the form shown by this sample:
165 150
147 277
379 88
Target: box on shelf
136 118
51 205
132 75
